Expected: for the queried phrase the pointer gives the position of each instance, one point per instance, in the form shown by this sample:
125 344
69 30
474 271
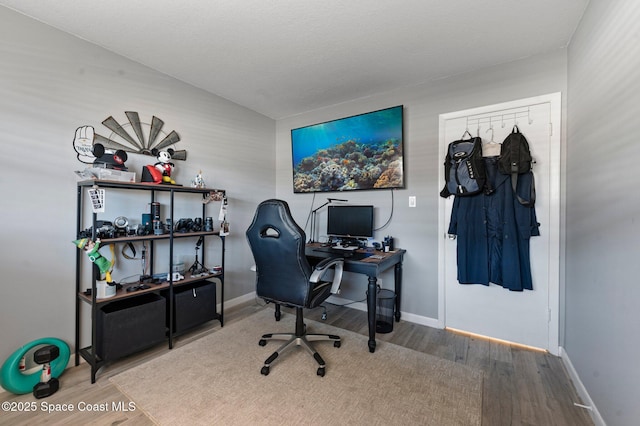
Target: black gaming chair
284 276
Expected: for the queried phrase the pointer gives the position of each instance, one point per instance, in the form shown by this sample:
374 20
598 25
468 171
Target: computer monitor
350 222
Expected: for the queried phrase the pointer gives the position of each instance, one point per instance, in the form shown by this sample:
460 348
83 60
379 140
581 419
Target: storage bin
194 305
130 325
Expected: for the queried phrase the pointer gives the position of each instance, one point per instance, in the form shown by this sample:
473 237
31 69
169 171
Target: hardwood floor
521 386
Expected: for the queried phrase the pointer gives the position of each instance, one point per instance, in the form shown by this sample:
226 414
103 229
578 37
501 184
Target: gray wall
51 83
603 223
415 229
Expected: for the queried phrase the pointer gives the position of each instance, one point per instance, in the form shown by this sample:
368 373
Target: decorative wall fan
137 143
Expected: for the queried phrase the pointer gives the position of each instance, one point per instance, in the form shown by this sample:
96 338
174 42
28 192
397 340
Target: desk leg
372 295
398 286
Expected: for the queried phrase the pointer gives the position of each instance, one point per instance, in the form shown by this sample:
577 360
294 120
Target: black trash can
385 304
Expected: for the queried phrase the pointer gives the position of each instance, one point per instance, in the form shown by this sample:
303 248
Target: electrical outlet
412 201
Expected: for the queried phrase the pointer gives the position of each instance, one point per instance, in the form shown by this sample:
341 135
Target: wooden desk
372 268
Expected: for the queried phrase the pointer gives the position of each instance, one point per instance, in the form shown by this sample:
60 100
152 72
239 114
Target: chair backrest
277 244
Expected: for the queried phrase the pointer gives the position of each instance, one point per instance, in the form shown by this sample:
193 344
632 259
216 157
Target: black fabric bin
130 325
194 305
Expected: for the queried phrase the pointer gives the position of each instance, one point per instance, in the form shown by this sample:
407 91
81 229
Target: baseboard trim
581 389
361 306
239 300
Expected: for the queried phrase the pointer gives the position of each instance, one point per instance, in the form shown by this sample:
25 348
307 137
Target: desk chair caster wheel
336 344
321 371
324 312
265 371
263 342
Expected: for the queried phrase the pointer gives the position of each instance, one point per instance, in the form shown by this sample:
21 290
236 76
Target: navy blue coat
493 233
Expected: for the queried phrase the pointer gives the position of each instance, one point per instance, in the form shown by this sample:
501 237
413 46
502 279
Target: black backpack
464 170
515 159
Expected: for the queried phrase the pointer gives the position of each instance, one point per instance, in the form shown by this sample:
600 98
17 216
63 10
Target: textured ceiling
284 57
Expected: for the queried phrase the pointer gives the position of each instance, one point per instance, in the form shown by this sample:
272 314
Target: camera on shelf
104 229
189 225
142 230
184 225
121 225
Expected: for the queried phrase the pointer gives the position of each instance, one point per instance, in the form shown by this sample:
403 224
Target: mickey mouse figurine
164 164
160 172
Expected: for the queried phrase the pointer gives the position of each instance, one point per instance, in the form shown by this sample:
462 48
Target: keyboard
346 254
335 249
345 248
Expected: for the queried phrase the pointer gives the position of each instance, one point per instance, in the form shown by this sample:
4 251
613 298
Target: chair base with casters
299 338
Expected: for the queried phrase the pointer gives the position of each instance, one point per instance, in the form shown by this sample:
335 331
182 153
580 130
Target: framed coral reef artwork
360 152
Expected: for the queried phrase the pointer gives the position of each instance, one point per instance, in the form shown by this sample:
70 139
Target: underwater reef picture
360 152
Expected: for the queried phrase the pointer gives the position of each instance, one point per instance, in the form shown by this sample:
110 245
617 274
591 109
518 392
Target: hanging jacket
493 233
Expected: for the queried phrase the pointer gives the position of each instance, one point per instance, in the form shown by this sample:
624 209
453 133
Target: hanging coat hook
466 131
490 128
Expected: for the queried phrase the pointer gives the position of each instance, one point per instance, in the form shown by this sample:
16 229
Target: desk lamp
314 213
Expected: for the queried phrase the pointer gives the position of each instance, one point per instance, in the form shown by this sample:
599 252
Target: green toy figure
92 247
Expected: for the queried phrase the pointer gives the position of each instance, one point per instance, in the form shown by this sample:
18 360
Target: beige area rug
216 380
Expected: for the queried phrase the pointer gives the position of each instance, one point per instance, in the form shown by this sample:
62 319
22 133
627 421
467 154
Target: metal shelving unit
166 288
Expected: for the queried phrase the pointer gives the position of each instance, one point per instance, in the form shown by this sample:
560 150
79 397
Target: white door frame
554 99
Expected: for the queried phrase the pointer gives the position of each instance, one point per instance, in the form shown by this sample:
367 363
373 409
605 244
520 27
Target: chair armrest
337 264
